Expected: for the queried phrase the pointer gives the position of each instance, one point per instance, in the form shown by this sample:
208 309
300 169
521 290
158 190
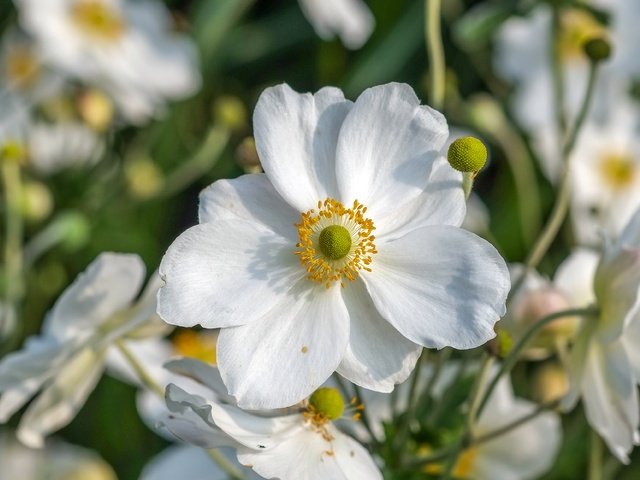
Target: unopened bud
247 156
37 202
550 382
144 178
230 112
597 49
96 109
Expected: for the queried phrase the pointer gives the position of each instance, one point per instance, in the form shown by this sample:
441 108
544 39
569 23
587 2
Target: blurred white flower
14 121
605 363
351 235
56 146
192 463
125 47
305 444
351 20
22 72
56 461
605 181
66 360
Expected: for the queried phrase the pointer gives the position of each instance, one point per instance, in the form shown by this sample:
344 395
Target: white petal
440 286
59 402
631 340
296 136
611 398
251 198
386 148
575 277
202 373
309 456
350 19
108 285
441 202
378 356
282 357
214 272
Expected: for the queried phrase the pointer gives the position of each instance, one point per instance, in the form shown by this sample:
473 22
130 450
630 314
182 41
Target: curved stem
435 51
139 369
225 464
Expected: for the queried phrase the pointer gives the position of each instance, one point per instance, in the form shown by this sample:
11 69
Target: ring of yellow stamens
335 241
97 19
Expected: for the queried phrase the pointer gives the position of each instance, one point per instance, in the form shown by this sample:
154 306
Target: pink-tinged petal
251 198
386 149
296 136
440 286
310 456
377 356
282 357
108 285
215 272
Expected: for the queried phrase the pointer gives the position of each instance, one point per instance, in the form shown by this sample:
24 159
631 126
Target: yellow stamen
22 67
618 171
97 19
324 265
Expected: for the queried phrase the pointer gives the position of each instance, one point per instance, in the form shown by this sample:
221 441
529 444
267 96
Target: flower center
335 241
618 171
327 402
577 26
22 67
97 20
199 345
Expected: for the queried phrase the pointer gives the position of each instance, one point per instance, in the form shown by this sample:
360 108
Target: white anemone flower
344 256
605 181
57 146
67 359
605 364
305 444
351 20
125 47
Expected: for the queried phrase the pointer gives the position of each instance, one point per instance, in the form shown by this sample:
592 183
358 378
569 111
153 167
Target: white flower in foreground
605 181
344 256
57 146
605 363
56 461
125 47
66 361
351 20
305 444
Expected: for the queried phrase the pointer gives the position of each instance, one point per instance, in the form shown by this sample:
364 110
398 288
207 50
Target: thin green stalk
511 359
435 50
556 69
412 403
481 379
139 369
561 206
225 464
596 454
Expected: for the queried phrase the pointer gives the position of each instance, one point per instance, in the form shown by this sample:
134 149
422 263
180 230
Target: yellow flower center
463 467
22 67
576 27
97 20
335 241
618 171
199 345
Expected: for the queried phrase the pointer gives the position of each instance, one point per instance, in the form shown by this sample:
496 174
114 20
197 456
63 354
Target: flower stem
225 464
433 38
561 206
403 434
595 457
139 369
477 390
511 359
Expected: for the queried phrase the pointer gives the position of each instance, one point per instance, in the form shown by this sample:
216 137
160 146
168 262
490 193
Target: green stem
225 464
139 369
595 457
412 403
511 359
556 69
13 257
436 53
477 390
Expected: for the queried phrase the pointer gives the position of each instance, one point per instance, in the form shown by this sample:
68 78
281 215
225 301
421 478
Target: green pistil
335 242
328 402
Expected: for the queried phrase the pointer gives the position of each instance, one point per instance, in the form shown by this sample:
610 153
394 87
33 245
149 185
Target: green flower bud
467 154
597 49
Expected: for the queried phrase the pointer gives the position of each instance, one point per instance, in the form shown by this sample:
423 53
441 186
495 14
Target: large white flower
123 46
605 364
67 359
305 444
351 20
344 256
